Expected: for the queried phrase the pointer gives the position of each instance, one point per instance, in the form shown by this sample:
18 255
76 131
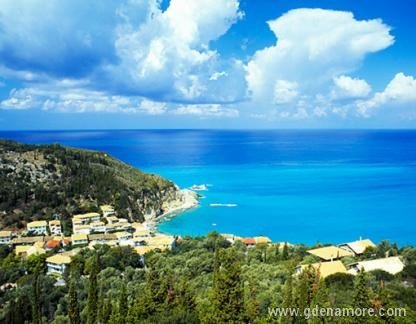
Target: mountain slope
38 181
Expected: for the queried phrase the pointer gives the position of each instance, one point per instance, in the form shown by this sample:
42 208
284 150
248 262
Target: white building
78 239
57 263
5 237
107 210
38 227
391 265
124 238
81 229
86 218
97 227
55 227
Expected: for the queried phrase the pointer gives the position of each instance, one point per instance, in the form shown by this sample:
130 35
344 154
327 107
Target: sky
133 64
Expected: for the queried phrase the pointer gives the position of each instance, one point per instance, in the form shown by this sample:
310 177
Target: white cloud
169 54
347 87
19 99
210 110
285 91
400 90
314 47
152 107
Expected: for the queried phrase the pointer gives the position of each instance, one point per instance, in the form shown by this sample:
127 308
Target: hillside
43 180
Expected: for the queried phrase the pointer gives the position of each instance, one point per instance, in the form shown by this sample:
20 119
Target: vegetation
202 280
40 181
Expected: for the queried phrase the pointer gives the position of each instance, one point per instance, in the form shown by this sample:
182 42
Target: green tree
92 301
73 305
228 295
36 298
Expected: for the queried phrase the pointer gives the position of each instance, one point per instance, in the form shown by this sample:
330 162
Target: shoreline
188 201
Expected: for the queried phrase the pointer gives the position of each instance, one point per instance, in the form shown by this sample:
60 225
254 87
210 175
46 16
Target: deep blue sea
301 186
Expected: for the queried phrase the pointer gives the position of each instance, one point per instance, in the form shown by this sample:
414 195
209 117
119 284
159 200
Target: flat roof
79 237
330 252
37 223
59 259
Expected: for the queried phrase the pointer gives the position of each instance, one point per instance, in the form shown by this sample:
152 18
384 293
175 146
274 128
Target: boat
201 187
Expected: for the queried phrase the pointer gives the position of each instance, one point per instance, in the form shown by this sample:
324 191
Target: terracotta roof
249 241
52 244
330 252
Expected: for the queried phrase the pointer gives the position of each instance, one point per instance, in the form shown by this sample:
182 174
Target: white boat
201 187
223 205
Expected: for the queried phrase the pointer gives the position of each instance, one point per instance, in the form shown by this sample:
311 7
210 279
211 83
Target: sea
300 186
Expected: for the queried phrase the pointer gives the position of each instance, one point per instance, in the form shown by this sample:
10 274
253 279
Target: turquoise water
296 186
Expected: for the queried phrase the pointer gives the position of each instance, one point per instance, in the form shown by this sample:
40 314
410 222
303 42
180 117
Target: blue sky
79 64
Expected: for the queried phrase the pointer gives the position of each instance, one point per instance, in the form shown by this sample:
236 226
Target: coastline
188 200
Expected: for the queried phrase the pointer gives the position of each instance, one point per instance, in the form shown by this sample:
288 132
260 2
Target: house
81 229
51 244
28 250
107 210
262 240
111 219
330 253
139 226
101 238
142 233
249 241
5 237
97 227
324 269
162 242
357 247
391 265
55 227
86 218
57 263
27 240
231 237
124 238
78 239
37 227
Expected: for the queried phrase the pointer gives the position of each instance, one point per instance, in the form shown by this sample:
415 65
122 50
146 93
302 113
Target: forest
49 181
203 280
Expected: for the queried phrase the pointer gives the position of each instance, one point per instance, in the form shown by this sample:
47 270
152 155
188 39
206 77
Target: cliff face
43 180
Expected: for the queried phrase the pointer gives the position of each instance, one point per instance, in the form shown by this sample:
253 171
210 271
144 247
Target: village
94 228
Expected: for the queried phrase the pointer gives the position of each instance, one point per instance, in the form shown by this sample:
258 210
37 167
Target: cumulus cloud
314 47
347 87
401 90
169 54
19 99
124 47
